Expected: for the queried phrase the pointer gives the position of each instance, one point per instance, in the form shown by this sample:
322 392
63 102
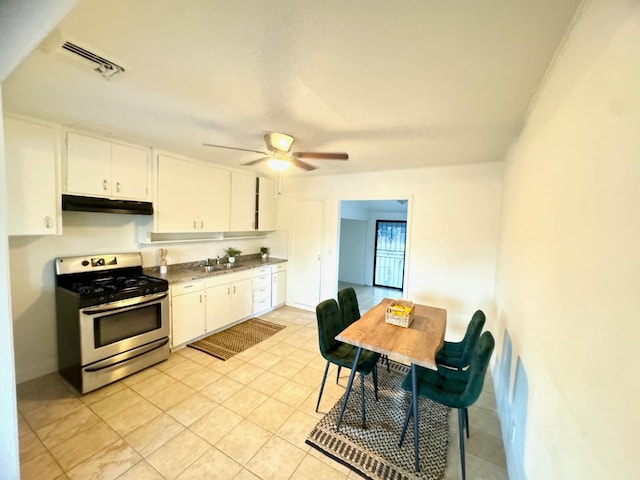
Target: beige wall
453 222
568 275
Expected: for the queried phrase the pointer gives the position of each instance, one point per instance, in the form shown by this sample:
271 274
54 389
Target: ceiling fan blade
301 164
253 162
322 155
234 148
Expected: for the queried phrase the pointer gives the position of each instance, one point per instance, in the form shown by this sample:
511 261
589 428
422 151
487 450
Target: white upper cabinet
214 197
266 204
191 197
176 208
102 168
243 202
129 172
32 151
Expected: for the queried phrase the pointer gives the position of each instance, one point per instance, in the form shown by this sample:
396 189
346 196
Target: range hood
78 203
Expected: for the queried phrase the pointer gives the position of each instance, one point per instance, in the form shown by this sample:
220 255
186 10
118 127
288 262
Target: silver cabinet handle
105 185
194 225
228 290
47 221
201 224
117 186
234 289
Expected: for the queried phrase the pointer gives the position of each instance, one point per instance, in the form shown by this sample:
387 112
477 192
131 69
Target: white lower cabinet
209 305
188 312
261 290
228 299
278 284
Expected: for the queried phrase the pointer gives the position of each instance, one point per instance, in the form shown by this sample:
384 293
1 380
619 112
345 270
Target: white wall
452 233
568 275
353 242
9 467
23 23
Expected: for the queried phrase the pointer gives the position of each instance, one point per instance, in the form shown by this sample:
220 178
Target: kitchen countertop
185 272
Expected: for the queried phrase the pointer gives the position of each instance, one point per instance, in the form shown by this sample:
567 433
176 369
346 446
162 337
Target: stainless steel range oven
112 319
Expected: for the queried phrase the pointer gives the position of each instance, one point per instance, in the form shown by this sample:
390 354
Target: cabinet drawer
261 282
261 305
187 287
278 267
261 293
257 272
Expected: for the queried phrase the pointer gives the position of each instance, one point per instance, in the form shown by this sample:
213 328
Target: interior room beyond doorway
357 243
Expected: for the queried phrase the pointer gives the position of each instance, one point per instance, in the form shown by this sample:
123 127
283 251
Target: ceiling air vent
104 67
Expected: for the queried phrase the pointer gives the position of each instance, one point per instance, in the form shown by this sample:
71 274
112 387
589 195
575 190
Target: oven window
120 326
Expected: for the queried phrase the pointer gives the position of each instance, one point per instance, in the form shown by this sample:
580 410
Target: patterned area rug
374 452
229 342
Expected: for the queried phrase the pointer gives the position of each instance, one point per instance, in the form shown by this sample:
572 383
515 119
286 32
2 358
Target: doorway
389 252
357 243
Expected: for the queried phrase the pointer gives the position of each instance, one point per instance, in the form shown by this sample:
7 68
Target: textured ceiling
399 84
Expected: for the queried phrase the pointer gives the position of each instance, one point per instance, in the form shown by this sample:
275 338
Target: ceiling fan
279 157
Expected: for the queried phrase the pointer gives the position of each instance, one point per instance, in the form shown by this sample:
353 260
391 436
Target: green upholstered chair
457 354
342 354
350 311
454 388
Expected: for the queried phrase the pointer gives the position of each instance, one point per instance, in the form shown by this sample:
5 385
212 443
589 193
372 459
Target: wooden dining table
416 345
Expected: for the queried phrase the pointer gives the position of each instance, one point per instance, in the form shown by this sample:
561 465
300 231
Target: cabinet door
88 164
219 307
177 201
278 288
32 153
188 319
242 299
266 204
214 199
243 202
129 172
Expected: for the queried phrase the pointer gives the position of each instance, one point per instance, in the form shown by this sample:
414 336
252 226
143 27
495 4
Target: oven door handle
139 352
129 302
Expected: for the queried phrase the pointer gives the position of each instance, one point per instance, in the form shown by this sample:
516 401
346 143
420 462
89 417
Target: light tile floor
196 417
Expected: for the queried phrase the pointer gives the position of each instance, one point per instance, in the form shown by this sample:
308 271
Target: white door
177 201
305 269
32 153
214 199
243 202
88 165
129 172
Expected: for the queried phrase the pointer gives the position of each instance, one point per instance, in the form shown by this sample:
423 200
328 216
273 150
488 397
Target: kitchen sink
215 268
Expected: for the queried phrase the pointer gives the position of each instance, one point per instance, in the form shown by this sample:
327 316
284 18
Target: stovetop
94 281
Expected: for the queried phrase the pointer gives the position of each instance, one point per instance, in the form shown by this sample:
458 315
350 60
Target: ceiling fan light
278 164
278 141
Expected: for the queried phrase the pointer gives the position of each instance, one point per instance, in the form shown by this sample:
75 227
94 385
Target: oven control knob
85 263
102 298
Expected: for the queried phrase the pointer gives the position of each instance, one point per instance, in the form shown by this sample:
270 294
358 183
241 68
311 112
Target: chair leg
375 381
406 423
338 374
386 357
362 400
466 421
324 378
461 434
